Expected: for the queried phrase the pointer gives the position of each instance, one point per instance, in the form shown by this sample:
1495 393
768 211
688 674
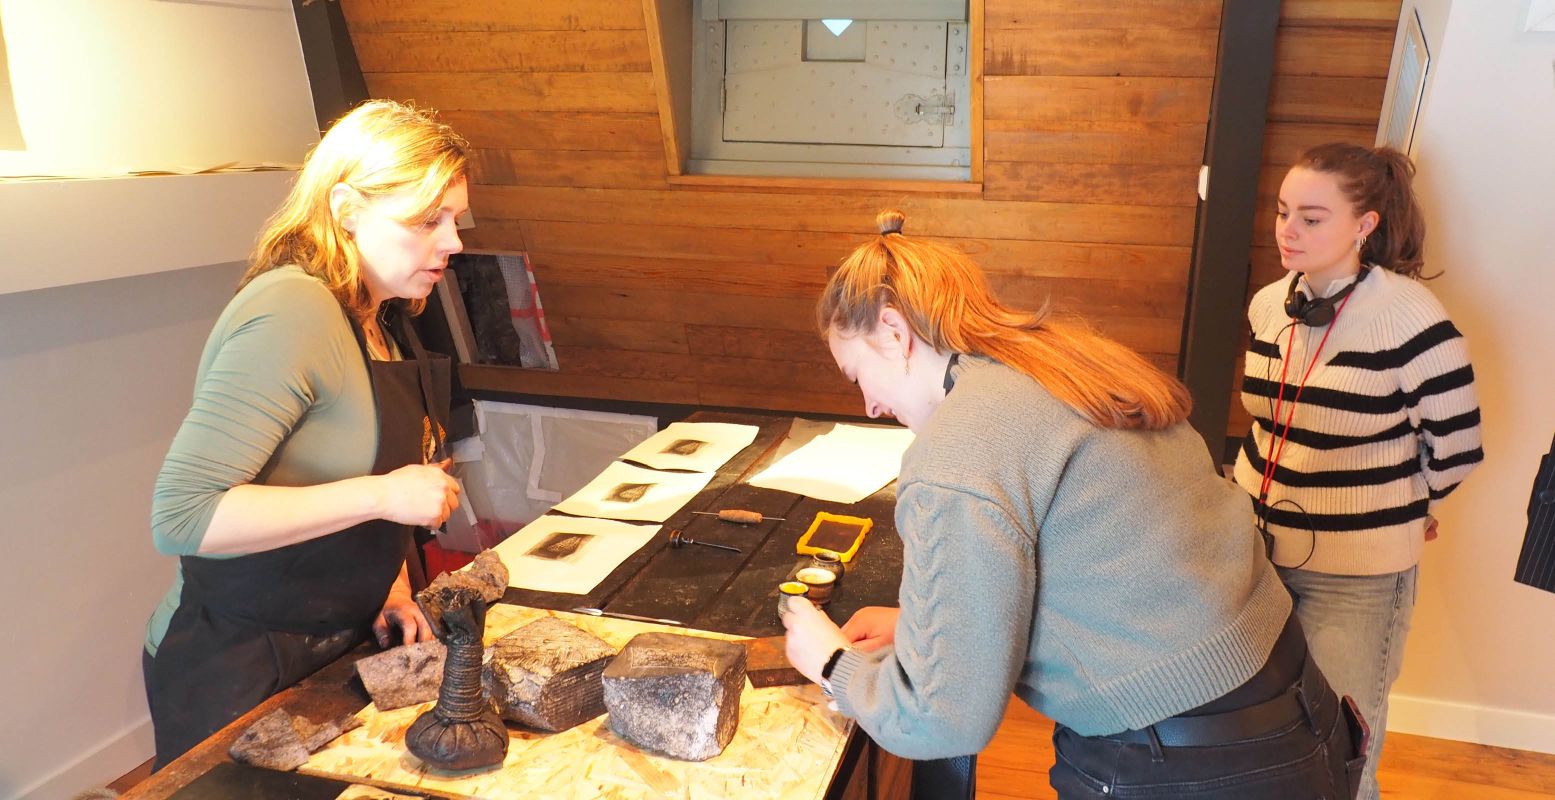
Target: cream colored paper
844 465
624 491
569 554
695 446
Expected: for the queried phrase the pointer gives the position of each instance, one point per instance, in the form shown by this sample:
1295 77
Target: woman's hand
420 494
872 627
812 637
400 612
1430 529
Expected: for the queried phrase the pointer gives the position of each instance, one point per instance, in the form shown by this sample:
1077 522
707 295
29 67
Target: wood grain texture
1084 15
1087 98
1092 127
518 91
1113 51
502 51
371 16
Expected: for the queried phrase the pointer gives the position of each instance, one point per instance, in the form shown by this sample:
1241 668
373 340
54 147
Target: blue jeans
1355 627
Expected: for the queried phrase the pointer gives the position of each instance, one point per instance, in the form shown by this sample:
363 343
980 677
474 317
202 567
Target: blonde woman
313 441
1066 538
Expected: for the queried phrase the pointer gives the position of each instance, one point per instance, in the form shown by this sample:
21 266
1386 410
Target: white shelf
58 233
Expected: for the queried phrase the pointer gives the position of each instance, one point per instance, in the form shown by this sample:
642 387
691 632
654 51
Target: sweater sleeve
270 365
967 595
1438 385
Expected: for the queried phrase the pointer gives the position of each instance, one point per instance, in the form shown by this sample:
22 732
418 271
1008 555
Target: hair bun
890 221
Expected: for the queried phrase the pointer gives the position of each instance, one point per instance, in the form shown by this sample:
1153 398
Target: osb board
787 745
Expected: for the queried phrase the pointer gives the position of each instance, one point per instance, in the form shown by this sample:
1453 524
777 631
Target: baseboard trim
1461 722
97 769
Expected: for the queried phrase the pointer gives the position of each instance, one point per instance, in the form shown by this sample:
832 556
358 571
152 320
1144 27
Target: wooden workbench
710 590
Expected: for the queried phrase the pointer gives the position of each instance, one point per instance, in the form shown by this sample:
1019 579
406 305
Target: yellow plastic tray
860 524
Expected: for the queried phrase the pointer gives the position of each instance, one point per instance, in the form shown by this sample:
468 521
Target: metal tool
599 612
678 540
739 515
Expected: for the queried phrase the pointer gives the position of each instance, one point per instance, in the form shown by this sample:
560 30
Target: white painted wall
96 372
1479 661
94 380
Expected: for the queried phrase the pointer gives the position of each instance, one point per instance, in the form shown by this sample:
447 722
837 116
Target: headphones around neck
1319 312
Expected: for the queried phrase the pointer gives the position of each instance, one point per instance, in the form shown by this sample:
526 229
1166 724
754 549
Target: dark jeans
1312 752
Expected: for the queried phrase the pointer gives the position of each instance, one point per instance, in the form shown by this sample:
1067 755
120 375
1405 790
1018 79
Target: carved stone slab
546 675
676 695
403 676
281 741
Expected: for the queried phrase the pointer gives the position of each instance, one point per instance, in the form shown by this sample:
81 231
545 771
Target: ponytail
945 299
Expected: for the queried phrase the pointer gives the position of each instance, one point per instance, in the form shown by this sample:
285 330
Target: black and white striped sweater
1387 425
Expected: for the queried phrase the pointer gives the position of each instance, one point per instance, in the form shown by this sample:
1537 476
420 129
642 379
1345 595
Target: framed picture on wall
493 311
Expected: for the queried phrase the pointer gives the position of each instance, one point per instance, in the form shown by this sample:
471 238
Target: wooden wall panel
660 290
1331 64
502 51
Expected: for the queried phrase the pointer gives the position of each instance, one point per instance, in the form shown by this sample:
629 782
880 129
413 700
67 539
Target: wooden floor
1015 766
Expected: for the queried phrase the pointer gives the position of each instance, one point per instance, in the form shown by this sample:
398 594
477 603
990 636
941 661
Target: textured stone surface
546 675
281 741
403 676
676 695
487 576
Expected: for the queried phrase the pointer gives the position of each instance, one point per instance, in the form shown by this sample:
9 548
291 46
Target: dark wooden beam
1222 245
333 72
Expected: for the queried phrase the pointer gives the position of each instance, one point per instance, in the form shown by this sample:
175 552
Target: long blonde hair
947 303
380 148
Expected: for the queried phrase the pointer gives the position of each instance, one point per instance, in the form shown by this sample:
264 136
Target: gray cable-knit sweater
1109 578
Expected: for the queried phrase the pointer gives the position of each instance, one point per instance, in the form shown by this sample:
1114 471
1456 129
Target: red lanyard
1276 451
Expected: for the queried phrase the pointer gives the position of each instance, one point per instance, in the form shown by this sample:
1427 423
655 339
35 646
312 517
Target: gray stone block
281 741
546 675
676 695
403 676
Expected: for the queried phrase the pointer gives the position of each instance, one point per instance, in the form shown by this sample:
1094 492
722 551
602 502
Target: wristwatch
831 664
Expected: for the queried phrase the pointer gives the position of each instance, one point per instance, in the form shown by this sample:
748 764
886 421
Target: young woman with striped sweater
1364 413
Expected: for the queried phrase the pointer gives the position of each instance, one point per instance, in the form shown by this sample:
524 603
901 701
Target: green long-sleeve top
1108 578
281 398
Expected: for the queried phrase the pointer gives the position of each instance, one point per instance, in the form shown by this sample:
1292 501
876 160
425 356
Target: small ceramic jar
786 590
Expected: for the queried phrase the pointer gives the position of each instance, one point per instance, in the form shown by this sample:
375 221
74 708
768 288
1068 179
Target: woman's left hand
401 613
812 637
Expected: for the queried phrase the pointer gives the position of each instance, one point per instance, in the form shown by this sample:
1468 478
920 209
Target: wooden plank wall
1094 126
1331 65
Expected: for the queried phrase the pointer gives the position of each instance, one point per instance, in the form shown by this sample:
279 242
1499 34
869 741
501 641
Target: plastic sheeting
527 459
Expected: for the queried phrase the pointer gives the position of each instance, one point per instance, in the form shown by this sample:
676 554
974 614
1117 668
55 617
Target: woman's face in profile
877 362
405 259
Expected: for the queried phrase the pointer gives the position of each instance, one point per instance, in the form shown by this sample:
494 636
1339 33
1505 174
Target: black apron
248 627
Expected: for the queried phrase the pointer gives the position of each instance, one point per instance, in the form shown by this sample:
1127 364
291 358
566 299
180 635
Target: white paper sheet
695 446
624 491
569 554
844 465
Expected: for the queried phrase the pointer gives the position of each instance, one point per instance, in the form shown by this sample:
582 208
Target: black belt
1304 702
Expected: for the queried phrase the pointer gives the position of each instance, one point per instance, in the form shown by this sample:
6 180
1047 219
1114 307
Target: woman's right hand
420 494
872 627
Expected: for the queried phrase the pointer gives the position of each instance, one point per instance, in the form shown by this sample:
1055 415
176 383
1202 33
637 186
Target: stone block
676 695
403 676
281 741
546 675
